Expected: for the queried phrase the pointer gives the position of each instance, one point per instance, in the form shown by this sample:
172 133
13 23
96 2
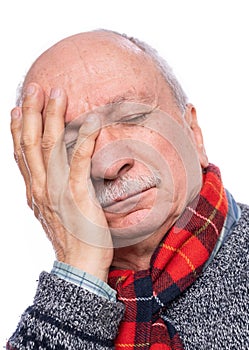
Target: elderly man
150 247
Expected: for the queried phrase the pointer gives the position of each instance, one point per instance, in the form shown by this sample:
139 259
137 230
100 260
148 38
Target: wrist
96 264
83 280
89 267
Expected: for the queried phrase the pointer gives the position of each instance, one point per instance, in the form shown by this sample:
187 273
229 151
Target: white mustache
111 191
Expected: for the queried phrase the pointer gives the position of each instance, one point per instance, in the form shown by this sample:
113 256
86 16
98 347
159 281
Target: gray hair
167 72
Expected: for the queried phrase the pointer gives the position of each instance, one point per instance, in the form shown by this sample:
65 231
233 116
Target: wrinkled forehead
96 70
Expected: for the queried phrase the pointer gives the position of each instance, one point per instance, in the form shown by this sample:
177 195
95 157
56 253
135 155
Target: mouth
112 193
128 202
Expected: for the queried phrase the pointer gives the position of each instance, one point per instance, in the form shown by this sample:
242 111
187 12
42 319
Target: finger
54 122
16 129
81 215
31 135
53 145
83 150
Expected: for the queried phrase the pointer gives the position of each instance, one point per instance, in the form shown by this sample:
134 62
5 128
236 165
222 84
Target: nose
112 156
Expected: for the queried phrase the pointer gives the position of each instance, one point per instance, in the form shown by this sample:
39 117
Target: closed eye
138 119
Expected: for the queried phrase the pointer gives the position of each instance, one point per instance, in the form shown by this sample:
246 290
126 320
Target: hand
62 197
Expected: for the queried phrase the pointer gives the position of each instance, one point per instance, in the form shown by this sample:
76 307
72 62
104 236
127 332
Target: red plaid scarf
175 265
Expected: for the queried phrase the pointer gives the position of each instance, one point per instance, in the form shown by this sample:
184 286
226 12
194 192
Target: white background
206 43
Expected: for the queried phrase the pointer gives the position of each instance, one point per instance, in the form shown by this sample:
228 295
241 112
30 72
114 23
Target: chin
136 227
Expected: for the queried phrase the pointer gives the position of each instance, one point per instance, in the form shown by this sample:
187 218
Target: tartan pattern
175 265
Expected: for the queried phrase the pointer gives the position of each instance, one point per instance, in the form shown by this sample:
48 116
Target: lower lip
129 204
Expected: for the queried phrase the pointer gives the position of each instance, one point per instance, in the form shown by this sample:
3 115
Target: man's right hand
62 197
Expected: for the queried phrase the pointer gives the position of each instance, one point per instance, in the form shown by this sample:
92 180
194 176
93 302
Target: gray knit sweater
211 314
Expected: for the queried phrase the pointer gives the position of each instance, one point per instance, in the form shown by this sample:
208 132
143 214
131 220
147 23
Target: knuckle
28 109
25 149
27 141
47 143
82 149
18 155
14 129
50 109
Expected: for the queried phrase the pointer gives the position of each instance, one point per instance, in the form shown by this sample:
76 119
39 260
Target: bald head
100 67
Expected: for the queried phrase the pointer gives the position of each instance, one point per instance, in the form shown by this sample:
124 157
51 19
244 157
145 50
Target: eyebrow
129 96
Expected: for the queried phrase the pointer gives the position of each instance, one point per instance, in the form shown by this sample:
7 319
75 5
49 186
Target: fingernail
93 122
90 124
30 89
55 93
92 119
15 113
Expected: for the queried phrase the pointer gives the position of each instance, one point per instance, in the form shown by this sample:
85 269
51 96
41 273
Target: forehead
96 69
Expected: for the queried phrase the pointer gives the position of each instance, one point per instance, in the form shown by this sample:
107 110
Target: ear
196 134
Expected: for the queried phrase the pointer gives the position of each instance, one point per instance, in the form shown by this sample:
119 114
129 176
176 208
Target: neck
137 257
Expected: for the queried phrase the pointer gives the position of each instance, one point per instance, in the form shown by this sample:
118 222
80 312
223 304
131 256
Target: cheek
172 170
155 151
159 145
172 157
176 160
